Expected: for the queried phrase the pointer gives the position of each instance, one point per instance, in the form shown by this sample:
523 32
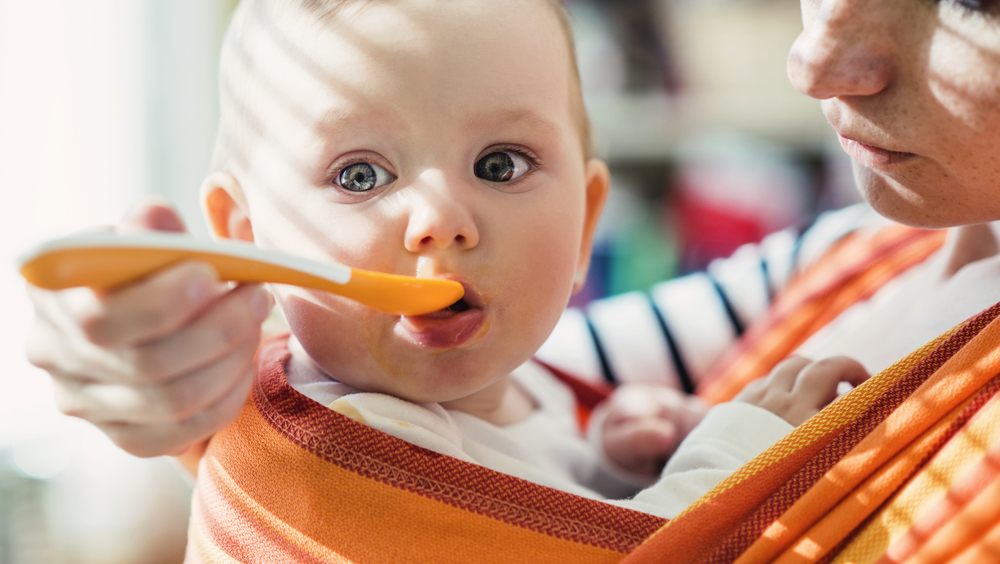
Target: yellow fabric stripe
926 488
957 380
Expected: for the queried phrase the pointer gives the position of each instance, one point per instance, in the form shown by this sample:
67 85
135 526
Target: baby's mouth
458 307
470 300
448 327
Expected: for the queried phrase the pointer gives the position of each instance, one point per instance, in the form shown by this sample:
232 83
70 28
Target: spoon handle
106 260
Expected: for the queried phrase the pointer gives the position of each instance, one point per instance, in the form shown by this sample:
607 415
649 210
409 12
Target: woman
922 132
913 91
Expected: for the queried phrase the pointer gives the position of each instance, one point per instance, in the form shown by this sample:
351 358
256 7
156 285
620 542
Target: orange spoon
106 260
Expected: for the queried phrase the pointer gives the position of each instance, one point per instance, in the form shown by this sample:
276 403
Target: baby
449 140
406 138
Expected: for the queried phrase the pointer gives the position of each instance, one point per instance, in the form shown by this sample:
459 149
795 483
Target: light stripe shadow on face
239 151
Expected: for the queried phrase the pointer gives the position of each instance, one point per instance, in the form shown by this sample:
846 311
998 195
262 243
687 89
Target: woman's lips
449 327
870 155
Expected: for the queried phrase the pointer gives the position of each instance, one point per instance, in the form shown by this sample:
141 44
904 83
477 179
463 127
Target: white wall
101 101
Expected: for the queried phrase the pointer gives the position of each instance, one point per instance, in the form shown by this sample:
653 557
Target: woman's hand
158 365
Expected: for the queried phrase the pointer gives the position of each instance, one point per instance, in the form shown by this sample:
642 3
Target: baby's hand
799 388
645 424
157 365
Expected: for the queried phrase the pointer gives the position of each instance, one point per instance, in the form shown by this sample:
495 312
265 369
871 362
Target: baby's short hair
238 129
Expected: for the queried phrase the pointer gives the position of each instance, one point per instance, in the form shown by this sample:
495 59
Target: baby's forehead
297 58
319 34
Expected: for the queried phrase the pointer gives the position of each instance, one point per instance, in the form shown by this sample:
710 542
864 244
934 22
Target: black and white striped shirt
674 333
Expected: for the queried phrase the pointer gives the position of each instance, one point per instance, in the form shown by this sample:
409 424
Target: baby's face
423 138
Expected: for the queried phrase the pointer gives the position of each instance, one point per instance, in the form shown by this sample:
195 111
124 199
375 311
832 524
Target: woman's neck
968 244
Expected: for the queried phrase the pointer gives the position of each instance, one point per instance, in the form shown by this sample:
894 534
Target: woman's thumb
151 215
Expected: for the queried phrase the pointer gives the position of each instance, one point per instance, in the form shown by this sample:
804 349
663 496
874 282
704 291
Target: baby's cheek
304 310
540 301
553 255
376 335
330 335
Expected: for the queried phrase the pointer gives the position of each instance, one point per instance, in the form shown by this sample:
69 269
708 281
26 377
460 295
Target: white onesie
547 448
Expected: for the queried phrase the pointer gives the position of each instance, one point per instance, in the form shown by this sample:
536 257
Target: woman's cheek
963 63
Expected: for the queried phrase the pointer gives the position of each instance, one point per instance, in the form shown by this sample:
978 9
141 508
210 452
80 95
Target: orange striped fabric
293 481
852 271
905 468
826 491
954 519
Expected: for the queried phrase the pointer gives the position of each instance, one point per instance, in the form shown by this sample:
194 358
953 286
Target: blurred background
104 101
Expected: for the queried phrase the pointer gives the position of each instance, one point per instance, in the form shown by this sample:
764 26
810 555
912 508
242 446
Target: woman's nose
438 221
848 48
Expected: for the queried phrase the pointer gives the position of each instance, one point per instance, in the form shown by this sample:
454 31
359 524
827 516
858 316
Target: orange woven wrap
293 481
905 468
852 271
820 494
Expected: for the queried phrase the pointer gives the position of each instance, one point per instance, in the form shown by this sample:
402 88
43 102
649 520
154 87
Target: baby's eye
501 167
362 177
974 6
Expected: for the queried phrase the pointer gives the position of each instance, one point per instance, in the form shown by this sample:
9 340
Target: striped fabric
905 468
902 469
293 481
852 271
675 334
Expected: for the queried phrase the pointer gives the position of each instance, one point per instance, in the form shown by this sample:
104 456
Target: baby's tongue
453 309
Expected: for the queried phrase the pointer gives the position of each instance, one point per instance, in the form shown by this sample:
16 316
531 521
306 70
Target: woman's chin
896 201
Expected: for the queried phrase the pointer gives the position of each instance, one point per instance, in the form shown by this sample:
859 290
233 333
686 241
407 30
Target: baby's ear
598 180
225 207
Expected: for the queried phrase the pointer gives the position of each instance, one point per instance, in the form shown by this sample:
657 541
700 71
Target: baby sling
906 468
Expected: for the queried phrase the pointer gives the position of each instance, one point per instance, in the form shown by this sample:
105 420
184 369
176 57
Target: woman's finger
231 322
151 215
164 404
146 310
155 440
71 356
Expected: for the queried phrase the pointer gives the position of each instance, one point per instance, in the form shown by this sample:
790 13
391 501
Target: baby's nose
439 220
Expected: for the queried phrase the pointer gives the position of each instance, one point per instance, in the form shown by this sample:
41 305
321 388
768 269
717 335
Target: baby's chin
417 377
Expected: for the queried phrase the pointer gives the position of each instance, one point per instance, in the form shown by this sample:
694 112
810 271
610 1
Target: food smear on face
398 363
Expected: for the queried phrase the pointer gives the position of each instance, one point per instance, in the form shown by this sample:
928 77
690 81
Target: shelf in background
653 127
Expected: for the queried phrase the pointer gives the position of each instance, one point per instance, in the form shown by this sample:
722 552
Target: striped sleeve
673 334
